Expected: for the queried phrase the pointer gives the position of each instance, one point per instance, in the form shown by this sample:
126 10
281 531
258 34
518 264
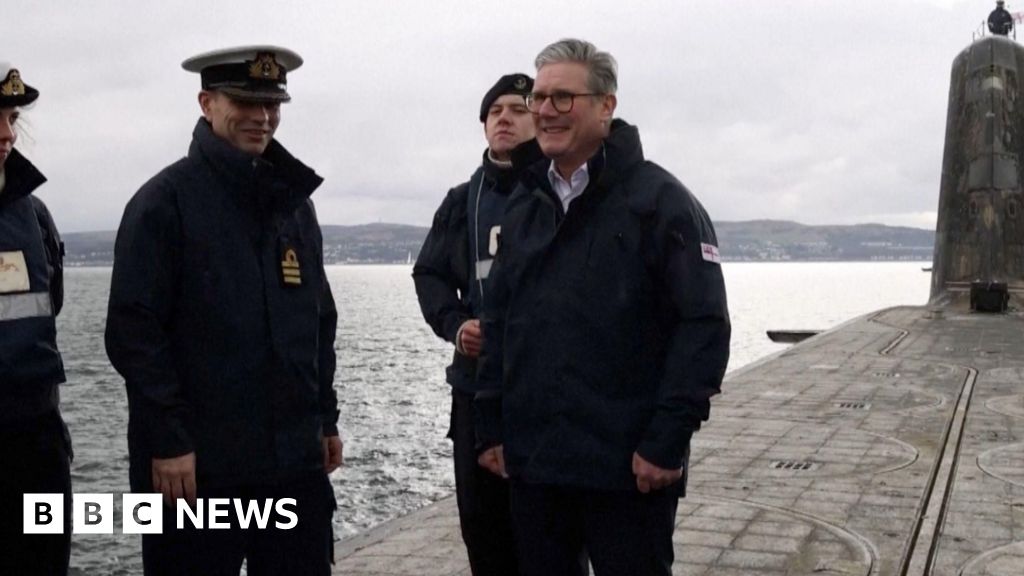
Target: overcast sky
818 111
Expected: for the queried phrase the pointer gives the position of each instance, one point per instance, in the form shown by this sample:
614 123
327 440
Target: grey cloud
806 110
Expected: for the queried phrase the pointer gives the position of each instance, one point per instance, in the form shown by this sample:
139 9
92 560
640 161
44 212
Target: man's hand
471 338
333 448
175 478
650 477
493 459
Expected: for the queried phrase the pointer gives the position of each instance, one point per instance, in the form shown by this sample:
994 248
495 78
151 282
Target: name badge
13 272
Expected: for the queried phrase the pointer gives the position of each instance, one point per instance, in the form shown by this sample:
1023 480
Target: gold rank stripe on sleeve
291 274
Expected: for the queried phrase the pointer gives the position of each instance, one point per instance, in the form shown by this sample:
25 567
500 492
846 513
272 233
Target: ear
206 99
608 107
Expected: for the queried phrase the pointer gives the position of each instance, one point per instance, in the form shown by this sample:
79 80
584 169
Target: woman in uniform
35 449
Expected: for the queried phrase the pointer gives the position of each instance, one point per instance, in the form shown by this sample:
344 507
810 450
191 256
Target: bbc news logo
144 514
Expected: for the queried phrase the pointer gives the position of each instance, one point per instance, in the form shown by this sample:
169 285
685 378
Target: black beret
13 91
508 84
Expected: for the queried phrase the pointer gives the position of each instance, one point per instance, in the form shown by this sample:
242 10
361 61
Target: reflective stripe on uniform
483 269
30 305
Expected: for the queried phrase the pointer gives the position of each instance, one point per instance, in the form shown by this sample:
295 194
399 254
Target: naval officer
221 322
34 444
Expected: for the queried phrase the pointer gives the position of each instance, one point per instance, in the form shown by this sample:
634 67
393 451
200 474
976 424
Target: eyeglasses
561 101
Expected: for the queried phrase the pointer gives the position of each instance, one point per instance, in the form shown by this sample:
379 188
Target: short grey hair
603 71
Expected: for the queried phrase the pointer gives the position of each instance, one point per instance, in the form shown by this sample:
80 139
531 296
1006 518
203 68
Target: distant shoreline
752 241
84 265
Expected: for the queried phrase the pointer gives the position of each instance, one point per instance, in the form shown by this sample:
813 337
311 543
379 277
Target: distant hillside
757 240
89 248
372 243
784 240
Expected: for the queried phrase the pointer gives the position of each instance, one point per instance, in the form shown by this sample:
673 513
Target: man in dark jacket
34 444
606 333
451 276
1000 21
222 323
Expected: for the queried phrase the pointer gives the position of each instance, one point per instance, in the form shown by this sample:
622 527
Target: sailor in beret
222 323
34 442
451 283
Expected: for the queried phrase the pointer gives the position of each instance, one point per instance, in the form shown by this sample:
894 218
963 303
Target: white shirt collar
569 191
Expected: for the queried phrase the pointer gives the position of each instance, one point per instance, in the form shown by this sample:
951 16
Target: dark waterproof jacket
1000 22
221 319
606 331
31 296
452 269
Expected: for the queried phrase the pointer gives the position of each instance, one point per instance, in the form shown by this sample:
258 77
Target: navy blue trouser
625 533
483 499
305 550
35 459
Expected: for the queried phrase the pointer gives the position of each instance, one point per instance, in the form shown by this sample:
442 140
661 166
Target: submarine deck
890 445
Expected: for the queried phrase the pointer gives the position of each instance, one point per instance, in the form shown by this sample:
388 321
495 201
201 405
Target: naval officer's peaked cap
252 73
13 90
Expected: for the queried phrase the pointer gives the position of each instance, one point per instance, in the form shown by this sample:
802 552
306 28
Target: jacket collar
22 178
523 156
275 179
619 153
503 176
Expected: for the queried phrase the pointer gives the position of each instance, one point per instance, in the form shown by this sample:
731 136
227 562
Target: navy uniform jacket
222 351
606 330
1000 22
447 276
31 296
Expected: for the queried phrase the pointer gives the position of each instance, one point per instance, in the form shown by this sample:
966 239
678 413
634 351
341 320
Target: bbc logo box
92 514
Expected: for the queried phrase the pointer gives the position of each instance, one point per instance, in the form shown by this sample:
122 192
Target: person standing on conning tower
1000 21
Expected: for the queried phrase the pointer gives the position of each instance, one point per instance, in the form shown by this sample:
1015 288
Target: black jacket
30 253
606 331
1000 22
445 274
222 352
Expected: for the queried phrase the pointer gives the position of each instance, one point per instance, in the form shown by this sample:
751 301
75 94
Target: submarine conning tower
979 237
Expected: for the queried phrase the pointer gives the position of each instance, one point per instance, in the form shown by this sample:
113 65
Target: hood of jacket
522 156
22 178
274 180
618 155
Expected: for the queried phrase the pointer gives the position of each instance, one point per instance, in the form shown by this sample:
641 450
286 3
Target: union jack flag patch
709 253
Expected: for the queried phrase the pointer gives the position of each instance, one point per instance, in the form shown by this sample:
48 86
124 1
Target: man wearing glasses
606 332
451 276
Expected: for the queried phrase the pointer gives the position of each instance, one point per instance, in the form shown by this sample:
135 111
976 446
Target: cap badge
13 86
520 83
265 67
